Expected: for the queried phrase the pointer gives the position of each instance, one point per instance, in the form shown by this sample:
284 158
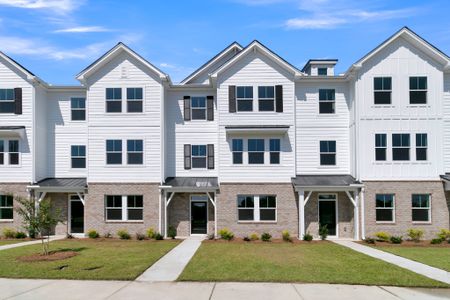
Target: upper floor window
113 100
113 152
78 159
134 100
78 109
421 146
244 98
135 152
237 149
13 152
326 101
382 90
266 98
380 146
7 102
198 108
417 90
400 146
199 156
274 151
2 152
6 207
256 151
421 208
384 207
322 71
327 153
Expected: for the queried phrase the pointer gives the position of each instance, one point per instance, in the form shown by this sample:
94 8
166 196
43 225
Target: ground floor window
6 207
421 208
257 208
124 208
384 207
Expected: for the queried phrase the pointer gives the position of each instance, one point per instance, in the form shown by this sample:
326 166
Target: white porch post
165 214
160 211
356 213
301 214
215 215
363 220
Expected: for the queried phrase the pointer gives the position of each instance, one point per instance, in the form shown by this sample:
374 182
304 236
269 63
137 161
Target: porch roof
191 184
61 185
317 182
12 131
276 129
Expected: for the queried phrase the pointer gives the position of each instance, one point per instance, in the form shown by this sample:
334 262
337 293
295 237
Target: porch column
165 214
363 225
356 214
301 214
215 215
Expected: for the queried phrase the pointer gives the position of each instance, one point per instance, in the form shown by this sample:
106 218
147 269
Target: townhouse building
247 142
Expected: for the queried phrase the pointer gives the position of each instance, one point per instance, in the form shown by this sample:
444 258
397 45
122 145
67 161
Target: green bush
382 236
254 237
9 233
123 234
151 233
140 236
159 236
307 237
266 237
436 241
20 235
323 232
444 234
172 232
286 236
93 234
415 234
226 234
396 239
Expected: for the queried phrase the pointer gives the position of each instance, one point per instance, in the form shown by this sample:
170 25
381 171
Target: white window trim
85 157
263 99
336 209
381 208
236 151
263 152
6 153
380 147
401 147
7 220
324 101
335 155
245 99
127 152
418 90
9 100
78 109
382 90
428 208
257 208
199 156
113 151
422 147
114 100
133 100
279 152
124 210
197 108
201 198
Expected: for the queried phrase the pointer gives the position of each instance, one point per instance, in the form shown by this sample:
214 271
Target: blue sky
56 39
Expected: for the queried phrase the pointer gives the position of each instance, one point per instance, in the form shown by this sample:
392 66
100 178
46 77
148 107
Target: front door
76 215
199 217
327 213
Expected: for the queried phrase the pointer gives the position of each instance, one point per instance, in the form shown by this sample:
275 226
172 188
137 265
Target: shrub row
227 235
9 233
413 234
124 235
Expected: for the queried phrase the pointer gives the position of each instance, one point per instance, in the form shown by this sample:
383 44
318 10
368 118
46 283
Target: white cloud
61 6
82 29
314 23
260 2
167 65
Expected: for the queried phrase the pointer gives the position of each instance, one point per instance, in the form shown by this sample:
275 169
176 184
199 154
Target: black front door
327 215
76 217
199 217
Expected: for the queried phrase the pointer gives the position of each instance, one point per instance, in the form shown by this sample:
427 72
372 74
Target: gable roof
413 38
234 46
120 47
30 75
269 53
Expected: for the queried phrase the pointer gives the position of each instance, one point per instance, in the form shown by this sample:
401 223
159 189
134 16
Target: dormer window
322 71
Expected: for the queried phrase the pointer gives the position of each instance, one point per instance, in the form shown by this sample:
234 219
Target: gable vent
124 73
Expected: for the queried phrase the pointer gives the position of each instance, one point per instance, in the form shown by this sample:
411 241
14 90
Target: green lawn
317 262
438 257
96 259
8 242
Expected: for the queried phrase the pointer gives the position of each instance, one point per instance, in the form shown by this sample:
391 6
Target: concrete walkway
21 244
95 290
170 266
419 268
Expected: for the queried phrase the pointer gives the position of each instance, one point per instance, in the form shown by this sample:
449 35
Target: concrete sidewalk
170 266
21 244
419 268
93 290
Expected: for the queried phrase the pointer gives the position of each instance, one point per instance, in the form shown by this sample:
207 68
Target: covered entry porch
334 201
189 206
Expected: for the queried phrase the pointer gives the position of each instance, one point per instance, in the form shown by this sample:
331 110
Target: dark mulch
52 256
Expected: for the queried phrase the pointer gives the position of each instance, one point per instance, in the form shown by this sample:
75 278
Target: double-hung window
124 208
382 87
6 207
385 207
2 152
114 152
246 206
199 156
274 151
257 208
135 152
78 160
380 146
238 148
13 155
421 146
113 100
327 101
327 153
256 151
7 103
417 90
322 71
78 109
244 98
400 146
266 98
198 108
267 208
421 208
135 207
134 100
113 207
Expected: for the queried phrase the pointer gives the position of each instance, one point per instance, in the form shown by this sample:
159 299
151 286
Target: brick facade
17 190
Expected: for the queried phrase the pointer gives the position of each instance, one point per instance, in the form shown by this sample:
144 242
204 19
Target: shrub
123 234
226 234
396 239
265 237
415 234
254 237
308 237
436 241
9 233
151 233
323 232
382 236
369 240
140 236
444 234
247 238
93 234
172 232
286 236
159 236
20 235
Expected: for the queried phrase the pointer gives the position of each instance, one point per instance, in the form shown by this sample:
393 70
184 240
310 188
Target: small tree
27 210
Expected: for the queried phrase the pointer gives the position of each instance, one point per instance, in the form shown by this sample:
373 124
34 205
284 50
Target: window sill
124 222
10 166
418 106
422 223
6 221
385 223
328 167
257 222
125 166
383 106
326 115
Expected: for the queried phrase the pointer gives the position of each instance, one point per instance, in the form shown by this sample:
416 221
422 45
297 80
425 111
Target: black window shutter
187 108
210 156
187 156
18 101
232 98
210 108
279 98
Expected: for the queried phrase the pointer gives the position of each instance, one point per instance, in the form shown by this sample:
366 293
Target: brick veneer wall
16 189
403 208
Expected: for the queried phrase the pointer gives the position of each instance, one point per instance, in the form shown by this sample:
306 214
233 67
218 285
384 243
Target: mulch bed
272 241
444 244
52 256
